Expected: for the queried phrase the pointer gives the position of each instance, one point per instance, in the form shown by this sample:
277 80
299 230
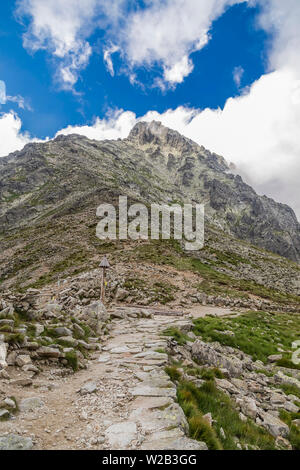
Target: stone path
124 400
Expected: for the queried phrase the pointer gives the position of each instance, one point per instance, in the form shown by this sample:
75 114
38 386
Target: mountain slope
49 194
154 164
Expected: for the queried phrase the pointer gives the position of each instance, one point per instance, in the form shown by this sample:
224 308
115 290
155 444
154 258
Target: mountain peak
154 132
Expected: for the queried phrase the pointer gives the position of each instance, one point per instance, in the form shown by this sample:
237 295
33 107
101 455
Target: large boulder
206 354
274 425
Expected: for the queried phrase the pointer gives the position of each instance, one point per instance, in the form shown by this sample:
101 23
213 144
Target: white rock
3 353
120 435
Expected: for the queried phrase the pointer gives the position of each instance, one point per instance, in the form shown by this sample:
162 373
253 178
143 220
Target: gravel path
123 400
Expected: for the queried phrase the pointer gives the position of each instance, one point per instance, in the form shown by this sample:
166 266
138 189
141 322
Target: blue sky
236 42
225 73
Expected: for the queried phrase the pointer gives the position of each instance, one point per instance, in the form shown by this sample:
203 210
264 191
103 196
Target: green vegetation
258 334
173 373
169 252
196 402
180 337
161 292
290 390
294 436
72 359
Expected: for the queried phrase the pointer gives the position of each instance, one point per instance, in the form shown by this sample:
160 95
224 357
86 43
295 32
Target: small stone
23 360
4 414
62 331
289 406
22 382
275 357
90 387
10 403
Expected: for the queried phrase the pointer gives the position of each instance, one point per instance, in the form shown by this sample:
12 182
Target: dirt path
123 400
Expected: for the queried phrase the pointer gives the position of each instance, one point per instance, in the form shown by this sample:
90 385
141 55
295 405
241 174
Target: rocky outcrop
215 355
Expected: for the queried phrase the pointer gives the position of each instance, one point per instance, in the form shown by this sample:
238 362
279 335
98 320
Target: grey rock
207 354
275 357
62 331
88 388
45 351
274 425
15 442
291 407
72 342
23 360
120 435
31 404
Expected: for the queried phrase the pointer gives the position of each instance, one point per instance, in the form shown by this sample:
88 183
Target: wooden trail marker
104 265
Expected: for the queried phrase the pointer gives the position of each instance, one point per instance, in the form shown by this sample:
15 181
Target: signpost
104 265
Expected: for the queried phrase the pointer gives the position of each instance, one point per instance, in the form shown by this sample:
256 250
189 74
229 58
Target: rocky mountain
207 338
154 164
49 193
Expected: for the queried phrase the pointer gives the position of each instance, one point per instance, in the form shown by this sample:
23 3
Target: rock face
207 354
153 164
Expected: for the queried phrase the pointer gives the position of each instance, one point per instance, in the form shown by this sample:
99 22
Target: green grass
170 253
256 333
173 373
72 359
290 390
197 402
294 436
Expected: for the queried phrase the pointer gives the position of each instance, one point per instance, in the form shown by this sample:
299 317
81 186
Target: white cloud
178 72
238 73
259 130
19 100
168 32
164 33
2 92
11 137
116 126
60 27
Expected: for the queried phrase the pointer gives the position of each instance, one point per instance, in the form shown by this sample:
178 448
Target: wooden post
103 284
